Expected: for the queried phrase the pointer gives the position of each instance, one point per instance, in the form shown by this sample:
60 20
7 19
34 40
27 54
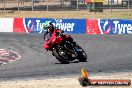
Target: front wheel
60 56
82 56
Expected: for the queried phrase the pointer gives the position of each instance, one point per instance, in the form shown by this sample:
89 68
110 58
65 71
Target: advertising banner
18 25
92 26
35 25
108 26
6 24
115 26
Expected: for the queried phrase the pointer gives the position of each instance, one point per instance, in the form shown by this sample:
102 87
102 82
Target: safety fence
62 4
71 26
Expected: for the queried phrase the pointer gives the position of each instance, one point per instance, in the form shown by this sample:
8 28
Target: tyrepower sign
103 26
115 26
35 25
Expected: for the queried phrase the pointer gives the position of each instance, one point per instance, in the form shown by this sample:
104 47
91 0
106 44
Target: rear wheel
60 56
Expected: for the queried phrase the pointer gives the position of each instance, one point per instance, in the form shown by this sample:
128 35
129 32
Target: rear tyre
60 56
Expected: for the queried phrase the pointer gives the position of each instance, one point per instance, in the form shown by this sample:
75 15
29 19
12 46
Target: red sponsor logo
18 25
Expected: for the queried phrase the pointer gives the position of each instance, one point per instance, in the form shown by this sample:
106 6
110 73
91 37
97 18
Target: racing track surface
105 53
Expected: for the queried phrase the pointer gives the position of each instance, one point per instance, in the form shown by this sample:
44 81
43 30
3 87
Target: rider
49 29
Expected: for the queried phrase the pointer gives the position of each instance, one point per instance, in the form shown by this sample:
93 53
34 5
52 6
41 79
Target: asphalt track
105 53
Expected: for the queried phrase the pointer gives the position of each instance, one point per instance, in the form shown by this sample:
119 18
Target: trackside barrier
6 24
108 26
35 25
72 26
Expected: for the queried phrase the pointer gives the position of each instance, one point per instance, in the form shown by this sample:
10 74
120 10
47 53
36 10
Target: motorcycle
63 48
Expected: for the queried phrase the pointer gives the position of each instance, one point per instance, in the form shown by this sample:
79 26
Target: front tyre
60 56
82 56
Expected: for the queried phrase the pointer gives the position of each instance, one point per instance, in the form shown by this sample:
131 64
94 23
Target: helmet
48 25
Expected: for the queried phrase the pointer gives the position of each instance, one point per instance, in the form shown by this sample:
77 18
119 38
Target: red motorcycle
63 49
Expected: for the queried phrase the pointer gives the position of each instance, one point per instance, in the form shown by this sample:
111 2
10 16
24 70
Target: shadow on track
72 62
